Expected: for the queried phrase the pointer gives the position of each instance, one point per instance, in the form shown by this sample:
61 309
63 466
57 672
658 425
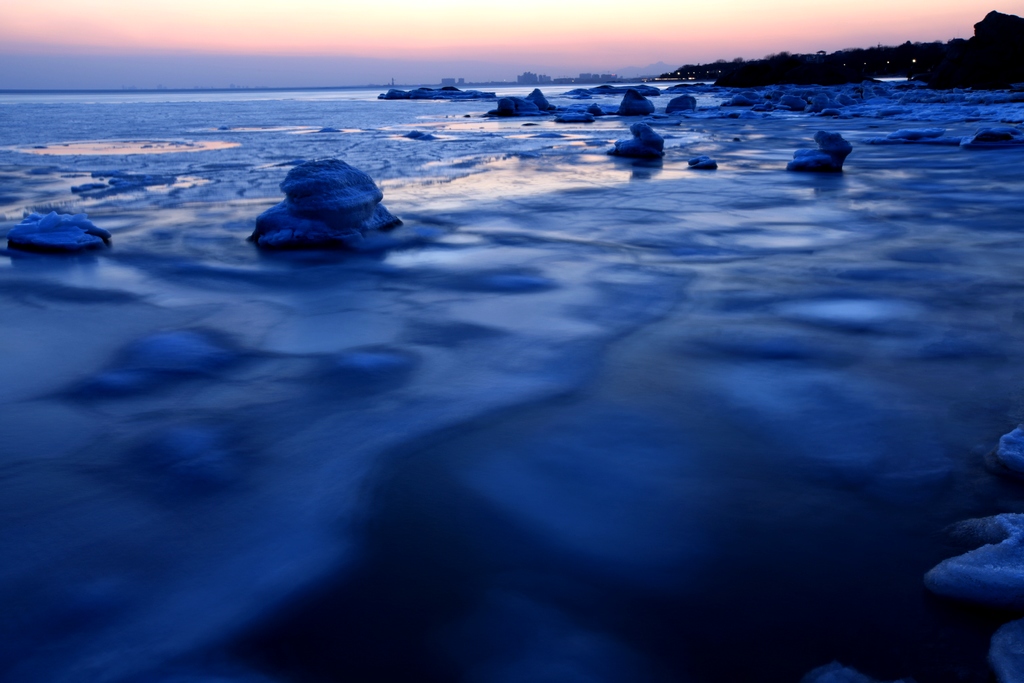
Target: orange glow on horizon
526 30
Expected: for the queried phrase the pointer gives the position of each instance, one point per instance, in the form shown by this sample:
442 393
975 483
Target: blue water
585 419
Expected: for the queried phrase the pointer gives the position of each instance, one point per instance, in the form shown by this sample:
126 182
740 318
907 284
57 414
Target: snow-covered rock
516 106
1006 653
992 575
828 158
681 103
57 232
998 136
328 204
1010 453
635 104
703 163
645 143
537 97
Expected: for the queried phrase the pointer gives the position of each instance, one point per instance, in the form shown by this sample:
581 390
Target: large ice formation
681 103
635 104
1006 653
57 232
645 143
328 204
828 158
992 575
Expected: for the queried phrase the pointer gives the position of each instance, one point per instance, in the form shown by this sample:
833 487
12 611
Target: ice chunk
1006 653
1010 453
635 104
828 158
645 143
837 673
992 575
703 163
999 136
328 204
57 232
681 103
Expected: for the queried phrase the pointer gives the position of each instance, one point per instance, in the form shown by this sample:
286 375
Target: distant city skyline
310 43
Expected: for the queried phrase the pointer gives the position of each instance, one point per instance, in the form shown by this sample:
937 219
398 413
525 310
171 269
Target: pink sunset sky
209 43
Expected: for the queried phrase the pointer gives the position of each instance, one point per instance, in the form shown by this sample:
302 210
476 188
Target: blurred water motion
582 420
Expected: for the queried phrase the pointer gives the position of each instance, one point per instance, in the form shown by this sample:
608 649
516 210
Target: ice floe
828 158
645 143
925 136
575 117
328 204
57 233
992 575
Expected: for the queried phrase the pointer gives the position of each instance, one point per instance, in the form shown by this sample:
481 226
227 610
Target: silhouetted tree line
844 66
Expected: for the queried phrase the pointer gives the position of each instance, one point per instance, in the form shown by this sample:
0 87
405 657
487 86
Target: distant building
530 78
447 81
462 81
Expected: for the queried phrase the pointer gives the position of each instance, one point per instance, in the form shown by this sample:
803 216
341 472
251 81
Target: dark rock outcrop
681 103
992 59
635 104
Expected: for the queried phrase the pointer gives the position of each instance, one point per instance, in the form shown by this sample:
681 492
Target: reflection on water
581 419
117 147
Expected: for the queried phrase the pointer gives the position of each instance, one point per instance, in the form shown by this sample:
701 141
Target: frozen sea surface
584 418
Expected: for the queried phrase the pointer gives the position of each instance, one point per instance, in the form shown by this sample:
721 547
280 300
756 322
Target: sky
304 43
